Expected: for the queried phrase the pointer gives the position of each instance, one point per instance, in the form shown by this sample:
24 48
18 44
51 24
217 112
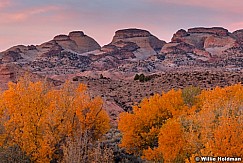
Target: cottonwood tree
210 123
141 128
39 119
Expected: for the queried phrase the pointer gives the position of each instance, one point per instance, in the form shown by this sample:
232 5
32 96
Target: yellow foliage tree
141 128
172 143
227 139
220 119
38 119
211 126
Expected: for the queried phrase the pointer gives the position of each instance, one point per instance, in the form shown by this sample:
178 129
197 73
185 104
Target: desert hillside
204 57
132 100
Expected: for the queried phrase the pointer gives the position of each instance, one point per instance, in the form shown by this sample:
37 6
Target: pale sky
36 21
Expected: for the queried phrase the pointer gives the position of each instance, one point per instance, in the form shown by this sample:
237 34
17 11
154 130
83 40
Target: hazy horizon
34 22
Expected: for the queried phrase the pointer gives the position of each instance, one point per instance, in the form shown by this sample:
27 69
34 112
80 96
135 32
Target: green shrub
136 77
142 78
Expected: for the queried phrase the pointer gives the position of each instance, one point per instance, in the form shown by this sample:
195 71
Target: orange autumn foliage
212 126
227 138
141 128
38 118
221 120
171 143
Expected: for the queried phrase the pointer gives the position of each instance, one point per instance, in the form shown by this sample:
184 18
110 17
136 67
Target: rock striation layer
144 39
77 41
214 40
131 51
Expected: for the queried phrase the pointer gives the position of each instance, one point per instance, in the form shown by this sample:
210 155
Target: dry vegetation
127 93
43 124
39 120
179 125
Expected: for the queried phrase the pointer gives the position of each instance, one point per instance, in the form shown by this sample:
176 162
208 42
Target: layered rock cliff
213 40
147 42
130 51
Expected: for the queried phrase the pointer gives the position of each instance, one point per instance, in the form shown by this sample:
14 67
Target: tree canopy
39 119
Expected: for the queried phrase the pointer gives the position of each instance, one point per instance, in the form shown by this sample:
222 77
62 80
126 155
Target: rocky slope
12 73
131 51
75 41
120 95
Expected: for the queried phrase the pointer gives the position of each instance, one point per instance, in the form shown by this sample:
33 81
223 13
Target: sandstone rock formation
144 40
7 71
19 52
77 41
218 31
177 48
10 56
216 45
204 57
127 46
177 37
49 49
213 40
239 36
84 42
130 51
11 72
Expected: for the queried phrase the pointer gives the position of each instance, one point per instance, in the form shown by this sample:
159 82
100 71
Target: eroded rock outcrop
144 40
10 56
16 53
8 72
84 43
214 40
239 36
131 50
177 37
77 41
219 31
130 33
217 45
